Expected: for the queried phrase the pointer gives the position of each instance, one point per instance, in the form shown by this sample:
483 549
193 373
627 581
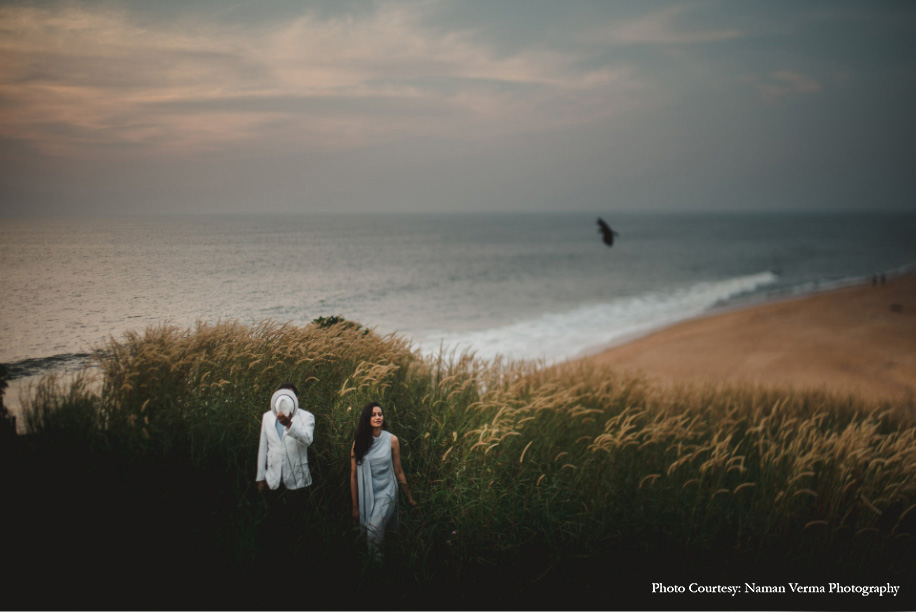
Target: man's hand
262 485
355 515
286 421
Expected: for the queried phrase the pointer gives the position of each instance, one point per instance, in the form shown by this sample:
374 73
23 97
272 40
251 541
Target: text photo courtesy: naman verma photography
458 304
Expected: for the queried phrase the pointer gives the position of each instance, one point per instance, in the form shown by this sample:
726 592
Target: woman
375 472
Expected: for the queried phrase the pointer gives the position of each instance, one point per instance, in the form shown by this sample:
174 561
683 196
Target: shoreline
713 347
859 339
750 301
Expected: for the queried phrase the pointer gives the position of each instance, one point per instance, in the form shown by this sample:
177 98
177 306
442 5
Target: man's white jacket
287 455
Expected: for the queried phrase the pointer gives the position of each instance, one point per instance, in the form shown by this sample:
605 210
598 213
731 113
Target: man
286 433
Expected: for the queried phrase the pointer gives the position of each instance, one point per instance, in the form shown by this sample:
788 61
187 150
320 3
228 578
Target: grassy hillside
537 486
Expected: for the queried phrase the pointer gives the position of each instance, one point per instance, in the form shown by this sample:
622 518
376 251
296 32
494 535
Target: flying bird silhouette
607 234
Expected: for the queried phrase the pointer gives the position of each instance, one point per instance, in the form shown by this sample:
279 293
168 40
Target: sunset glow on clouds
90 77
358 103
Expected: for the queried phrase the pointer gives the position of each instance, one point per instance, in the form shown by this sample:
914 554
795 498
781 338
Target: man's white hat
284 401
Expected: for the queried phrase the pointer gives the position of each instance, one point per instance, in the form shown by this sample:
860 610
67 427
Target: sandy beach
859 340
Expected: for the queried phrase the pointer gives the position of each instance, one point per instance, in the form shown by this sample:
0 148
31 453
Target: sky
203 106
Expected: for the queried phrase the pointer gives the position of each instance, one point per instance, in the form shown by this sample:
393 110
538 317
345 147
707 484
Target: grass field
567 486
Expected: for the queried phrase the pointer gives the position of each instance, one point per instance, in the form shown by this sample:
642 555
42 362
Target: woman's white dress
378 491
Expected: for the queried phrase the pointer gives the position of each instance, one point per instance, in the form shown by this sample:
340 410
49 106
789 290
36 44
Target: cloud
783 83
662 27
83 79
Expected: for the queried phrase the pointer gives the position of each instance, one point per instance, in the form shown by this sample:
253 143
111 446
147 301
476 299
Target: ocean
532 286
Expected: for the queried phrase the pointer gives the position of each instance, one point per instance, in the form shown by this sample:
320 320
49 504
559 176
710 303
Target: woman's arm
354 487
398 471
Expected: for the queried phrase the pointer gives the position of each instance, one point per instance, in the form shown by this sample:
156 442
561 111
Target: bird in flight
607 234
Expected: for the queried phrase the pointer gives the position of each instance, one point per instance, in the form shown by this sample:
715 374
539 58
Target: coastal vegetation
533 481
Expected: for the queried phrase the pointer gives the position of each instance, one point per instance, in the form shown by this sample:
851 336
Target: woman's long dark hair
363 438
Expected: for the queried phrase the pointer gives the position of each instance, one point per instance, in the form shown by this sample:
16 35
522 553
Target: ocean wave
558 336
66 362
830 284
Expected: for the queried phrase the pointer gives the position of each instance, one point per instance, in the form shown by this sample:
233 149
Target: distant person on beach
286 434
375 473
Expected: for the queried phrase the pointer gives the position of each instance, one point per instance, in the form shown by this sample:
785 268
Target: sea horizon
542 287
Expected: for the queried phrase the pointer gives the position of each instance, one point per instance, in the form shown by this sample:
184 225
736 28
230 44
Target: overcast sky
446 105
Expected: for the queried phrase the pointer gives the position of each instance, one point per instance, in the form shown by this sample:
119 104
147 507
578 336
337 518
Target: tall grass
523 472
